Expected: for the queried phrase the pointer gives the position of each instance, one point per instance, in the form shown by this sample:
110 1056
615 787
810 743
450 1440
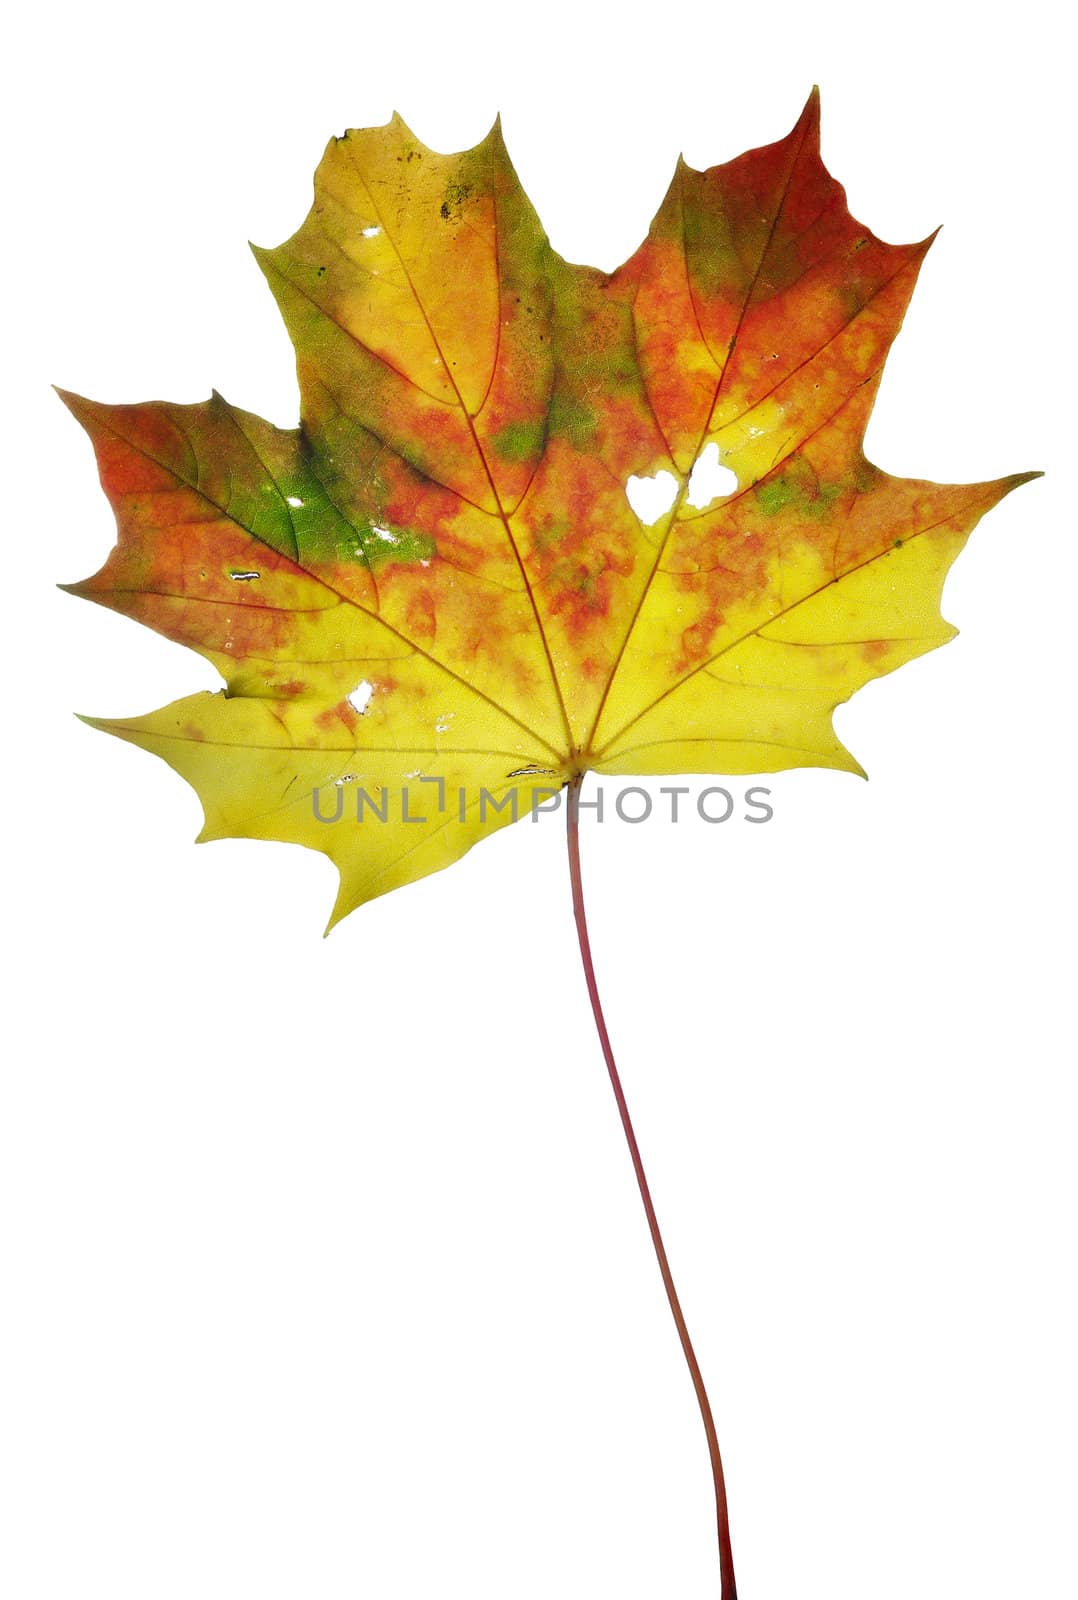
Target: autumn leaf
442 599
434 599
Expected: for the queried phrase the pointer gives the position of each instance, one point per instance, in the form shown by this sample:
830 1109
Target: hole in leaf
651 498
709 479
242 577
360 698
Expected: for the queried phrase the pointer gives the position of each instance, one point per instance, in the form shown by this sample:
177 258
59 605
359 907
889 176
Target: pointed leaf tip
74 402
809 120
398 123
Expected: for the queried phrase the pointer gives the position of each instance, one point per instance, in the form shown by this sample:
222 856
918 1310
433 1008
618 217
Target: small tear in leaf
369 233
709 479
651 498
242 577
294 500
360 698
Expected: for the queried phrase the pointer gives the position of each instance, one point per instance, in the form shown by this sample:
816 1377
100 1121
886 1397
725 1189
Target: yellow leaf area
432 603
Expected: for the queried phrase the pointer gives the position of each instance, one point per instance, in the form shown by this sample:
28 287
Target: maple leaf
438 587
439 576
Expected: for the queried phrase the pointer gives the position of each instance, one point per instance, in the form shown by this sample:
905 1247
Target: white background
323 1267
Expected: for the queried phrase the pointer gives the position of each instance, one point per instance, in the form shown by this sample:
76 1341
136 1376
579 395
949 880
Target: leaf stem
726 1558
